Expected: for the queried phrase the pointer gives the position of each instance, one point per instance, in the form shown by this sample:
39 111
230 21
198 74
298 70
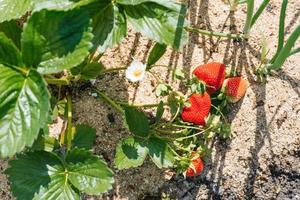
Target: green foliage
12 9
45 143
88 70
132 152
156 53
50 176
259 11
113 30
158 23
56 40
137 122
13 31
40 39
160 152
24 108
162 89
9 53
160 111
84 137
179 74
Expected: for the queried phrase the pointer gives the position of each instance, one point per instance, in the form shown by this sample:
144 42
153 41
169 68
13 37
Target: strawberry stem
57 81
139 105
190 136
69 125
113 70
213 33
109 101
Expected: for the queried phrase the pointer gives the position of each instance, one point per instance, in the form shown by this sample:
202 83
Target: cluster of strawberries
212 75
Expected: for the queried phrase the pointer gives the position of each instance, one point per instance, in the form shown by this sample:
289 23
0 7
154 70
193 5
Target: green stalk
250 9
196 134
281 29
285 51
184 126
69 125
213 33
56 81
261 8
113 70
139 105
294 51
110 102
24 71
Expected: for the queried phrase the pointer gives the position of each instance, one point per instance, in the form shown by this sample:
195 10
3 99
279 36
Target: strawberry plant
57 42
180 141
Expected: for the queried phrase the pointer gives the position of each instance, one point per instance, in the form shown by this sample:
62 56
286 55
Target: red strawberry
235 88
199 109
195 168
213 74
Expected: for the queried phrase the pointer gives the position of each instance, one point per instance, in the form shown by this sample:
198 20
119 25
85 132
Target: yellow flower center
137 73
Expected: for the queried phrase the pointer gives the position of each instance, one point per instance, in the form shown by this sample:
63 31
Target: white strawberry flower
136 71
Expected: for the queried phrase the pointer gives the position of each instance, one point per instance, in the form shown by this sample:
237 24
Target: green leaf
24 106
14 9
45 143
60 5
281 32
89 71
35 174
84 137
162 89
179 74
10 9
156 53
171 4
54 5
47 176
111 32
137 122
160 152
158 23
130 152
13 31
9 53
88 173
285 51
53 40
160 111
58 190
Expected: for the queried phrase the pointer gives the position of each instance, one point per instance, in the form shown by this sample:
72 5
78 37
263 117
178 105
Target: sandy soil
262 161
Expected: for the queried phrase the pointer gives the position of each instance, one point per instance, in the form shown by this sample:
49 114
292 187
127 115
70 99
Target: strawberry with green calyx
198 110
234 89
195 167
212 74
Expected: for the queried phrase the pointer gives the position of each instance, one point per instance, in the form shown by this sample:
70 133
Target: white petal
136 71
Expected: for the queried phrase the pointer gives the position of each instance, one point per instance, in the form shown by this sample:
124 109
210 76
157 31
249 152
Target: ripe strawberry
213 74
199 109
235 88
196 166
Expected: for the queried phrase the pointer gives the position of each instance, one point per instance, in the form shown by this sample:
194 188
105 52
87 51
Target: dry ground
262 161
